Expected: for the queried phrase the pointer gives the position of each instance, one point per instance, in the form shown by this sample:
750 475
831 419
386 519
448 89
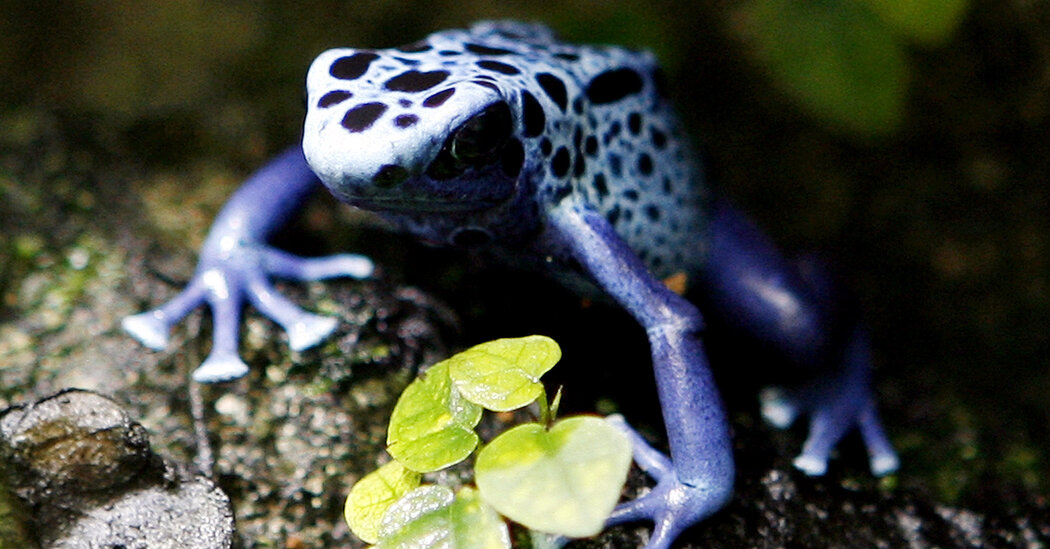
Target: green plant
843 61
556 477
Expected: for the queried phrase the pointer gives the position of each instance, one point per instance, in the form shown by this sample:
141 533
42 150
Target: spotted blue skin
624 159
565 159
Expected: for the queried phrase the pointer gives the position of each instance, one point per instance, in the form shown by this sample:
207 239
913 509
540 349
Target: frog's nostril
389 176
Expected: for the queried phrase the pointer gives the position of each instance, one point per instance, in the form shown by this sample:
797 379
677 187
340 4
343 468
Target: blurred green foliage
928 22
846 62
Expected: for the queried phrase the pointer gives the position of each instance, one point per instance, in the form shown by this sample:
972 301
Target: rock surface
86 471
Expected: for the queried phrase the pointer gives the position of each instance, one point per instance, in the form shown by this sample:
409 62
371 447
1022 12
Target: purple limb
697 479
794 310
235 267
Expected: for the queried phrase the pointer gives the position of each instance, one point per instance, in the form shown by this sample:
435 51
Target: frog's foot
671 505
835 404
224 285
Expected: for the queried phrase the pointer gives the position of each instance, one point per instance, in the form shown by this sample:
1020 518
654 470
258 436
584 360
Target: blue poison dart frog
567 158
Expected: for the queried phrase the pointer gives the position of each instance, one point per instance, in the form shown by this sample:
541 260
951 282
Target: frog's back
599 125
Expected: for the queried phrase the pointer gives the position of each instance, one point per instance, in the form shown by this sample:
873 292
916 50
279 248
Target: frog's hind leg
791 307
836 401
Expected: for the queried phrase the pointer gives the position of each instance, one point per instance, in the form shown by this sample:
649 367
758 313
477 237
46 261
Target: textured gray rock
72 442
86 470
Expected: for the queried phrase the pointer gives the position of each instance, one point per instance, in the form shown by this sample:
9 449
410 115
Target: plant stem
548 410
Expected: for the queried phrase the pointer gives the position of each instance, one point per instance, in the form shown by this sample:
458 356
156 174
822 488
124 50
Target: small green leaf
565 480
372 495
929 22
412 506
432 425
504 374
476 524
836 58
429 517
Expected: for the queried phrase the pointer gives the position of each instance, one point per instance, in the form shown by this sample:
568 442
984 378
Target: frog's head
411 131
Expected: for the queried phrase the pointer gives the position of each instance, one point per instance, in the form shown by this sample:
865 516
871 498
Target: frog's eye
478 141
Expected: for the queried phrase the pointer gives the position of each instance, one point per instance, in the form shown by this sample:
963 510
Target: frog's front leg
698 479
235 266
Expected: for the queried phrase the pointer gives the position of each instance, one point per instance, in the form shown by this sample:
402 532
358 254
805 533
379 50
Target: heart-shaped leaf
432 425
430 517
413 506
371 496
565 480
504 374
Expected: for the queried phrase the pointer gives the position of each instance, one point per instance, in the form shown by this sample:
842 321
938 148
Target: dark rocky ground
112 165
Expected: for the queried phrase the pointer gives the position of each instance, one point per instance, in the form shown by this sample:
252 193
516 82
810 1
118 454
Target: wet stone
86 470
74 440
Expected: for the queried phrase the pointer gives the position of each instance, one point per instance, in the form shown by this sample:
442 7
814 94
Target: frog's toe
285 265
219 367
648 459
149 328
884 465
827 425
779 408
812 465
882 458
152 327
671 505
830 421
813 461
351 265
304 329
309 330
